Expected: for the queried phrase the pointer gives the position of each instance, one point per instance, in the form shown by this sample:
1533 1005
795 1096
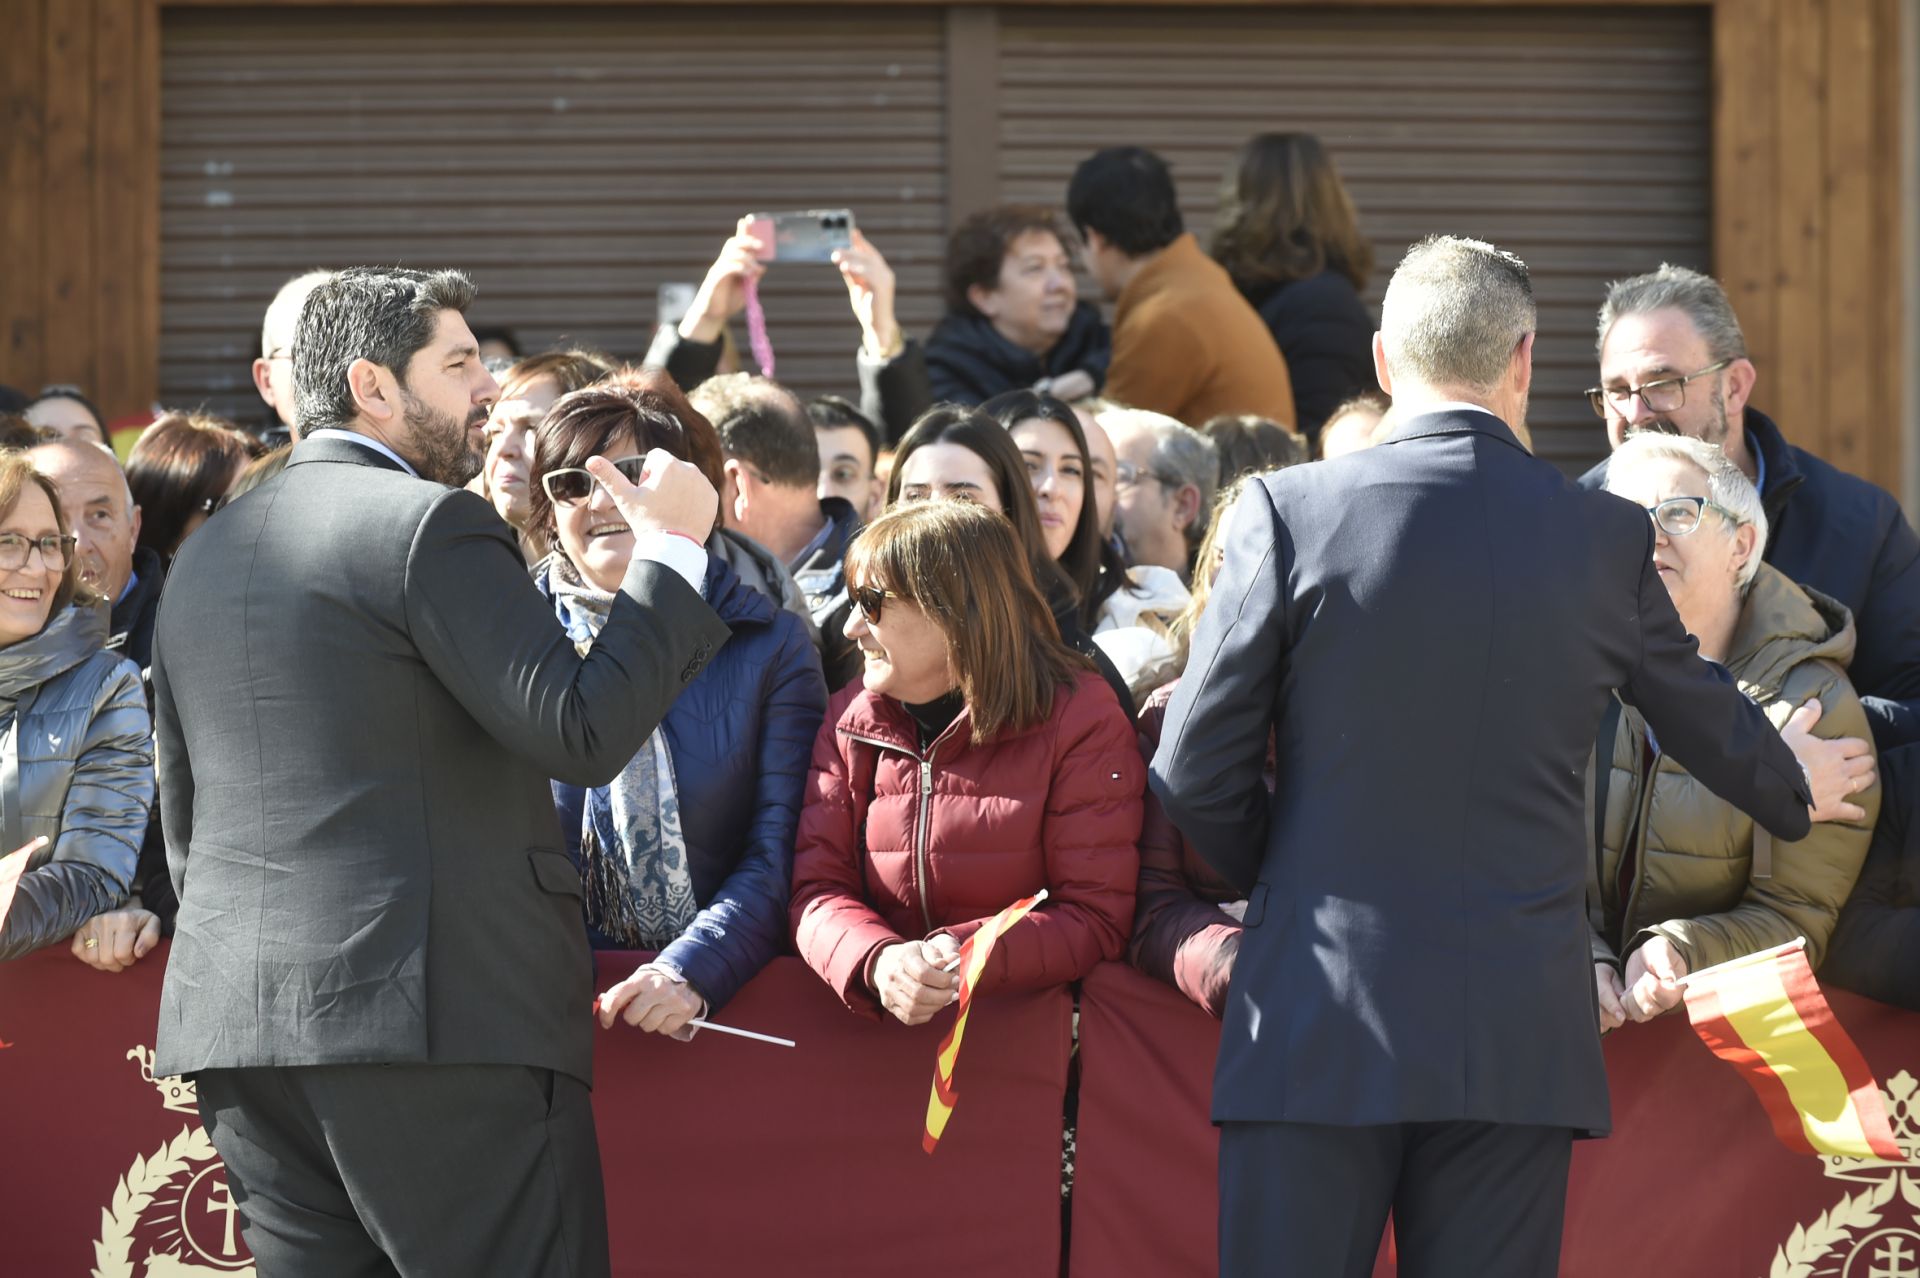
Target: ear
1186 507
736 493
263 381
1382 373
1741 376
1746 544
1520 368
985 300
375 391
136 524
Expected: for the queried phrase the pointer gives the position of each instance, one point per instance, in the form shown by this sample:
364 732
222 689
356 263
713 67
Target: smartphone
810 235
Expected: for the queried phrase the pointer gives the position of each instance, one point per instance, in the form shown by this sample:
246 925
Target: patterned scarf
639 889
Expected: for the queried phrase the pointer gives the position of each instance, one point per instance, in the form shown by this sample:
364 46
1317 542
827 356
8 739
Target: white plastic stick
1761 956
729 1029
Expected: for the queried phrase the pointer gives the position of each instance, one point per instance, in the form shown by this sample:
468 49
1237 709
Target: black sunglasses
572 485
869 600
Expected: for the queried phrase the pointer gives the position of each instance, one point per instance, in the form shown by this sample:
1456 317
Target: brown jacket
1185 343
1696 879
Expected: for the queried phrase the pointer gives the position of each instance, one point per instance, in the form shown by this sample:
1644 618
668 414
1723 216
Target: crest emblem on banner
1875 1232
172 1210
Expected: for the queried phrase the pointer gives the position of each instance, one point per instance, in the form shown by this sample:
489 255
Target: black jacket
968 362
359 825
1875 949
822 575
1848 539
130 628
1326 336
1416 936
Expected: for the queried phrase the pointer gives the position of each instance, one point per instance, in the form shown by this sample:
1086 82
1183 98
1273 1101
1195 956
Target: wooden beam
66 230
973 111
1744 166
22 170
1854 275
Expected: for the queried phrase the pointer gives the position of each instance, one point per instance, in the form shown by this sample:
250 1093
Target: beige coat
1695 879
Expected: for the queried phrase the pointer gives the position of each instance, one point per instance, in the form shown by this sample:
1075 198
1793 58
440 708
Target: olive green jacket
1696 878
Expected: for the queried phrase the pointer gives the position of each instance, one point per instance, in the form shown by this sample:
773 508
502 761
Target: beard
440 440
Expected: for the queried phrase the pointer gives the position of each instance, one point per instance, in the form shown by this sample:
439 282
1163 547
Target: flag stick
729 1029
1797 943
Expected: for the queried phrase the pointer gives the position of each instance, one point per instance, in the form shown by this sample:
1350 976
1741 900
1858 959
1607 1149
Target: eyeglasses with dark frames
571 485
56 551
1678 516
1667 395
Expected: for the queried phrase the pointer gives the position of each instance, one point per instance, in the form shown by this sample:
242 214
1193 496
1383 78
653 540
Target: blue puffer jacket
740 735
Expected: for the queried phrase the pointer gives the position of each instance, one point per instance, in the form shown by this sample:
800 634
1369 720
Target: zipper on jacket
923 822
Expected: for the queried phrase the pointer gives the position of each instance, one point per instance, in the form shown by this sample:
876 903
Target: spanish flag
973 961
1765 1016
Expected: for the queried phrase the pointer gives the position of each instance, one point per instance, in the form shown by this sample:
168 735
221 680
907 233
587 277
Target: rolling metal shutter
1576 138
571 160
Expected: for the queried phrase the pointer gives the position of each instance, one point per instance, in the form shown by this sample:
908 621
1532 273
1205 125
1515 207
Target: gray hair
382 314
283 313
1180 453
1727 486
1454 312
1699 297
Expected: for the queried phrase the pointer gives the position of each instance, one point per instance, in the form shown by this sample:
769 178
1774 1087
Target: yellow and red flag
1765 1016
973 961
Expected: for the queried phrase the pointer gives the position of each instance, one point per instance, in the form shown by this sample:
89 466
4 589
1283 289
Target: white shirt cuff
688 558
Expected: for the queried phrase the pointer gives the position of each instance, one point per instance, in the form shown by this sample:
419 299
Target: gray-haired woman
1682 879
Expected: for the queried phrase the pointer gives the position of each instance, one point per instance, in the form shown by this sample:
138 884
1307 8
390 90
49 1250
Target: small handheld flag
1765 1016
973 961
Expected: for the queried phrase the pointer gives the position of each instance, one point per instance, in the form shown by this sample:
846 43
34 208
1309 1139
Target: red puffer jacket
895 846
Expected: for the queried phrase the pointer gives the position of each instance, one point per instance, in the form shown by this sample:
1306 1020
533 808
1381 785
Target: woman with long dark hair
1289 237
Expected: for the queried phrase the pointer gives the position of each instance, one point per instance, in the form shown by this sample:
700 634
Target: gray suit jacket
1431 630
359 699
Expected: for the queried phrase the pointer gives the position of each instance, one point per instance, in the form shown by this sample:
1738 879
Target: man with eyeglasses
1673 359
273 371
1163 484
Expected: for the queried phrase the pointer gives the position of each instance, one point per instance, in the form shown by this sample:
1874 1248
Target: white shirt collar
365 441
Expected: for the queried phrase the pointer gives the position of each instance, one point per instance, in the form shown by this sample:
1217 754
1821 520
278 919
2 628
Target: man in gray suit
1428 632
380 976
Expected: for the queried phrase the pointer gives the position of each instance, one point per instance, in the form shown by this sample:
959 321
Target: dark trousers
358 1171
1472 1200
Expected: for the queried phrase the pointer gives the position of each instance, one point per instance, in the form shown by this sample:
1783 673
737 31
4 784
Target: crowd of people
958 600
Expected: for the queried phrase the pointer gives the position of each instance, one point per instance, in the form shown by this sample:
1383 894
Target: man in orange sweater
1185 342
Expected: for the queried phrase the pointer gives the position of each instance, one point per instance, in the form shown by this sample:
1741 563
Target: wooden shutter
1578 138
571 160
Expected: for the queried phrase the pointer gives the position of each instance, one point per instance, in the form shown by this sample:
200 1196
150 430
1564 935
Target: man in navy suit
1430 630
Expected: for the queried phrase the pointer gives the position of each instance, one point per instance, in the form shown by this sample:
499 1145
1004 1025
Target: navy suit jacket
1431 628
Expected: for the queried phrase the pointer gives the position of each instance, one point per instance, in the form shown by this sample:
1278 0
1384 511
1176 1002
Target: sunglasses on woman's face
572 485
869 600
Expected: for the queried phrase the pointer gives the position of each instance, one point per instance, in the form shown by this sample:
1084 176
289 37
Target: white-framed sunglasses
571 485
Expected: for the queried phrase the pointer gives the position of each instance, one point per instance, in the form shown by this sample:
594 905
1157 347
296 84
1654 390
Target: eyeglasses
572 485
1664 396
1126 474
869 600
1678 516
56 552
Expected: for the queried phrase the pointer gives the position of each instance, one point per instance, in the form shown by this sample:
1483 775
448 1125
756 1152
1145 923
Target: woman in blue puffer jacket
689 851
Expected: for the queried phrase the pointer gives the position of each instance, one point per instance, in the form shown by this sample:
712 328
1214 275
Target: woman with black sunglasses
689 851
76 745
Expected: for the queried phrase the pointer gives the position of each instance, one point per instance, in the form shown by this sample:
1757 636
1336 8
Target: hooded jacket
739 736
897 843
76 765
1696 874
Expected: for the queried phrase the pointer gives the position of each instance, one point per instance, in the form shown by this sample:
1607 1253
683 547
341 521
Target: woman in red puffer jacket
979 760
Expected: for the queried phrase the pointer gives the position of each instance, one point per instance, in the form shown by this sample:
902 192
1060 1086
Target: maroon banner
723 1156
1692 1181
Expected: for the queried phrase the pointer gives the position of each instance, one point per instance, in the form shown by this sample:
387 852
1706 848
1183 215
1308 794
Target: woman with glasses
979 760
76 745
1681 879
688 852
962 454
1127 611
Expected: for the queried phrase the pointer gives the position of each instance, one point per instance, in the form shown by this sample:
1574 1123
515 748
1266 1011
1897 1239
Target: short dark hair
979 246
831 412
1252 445
183 465
763 424
382 314
1126 193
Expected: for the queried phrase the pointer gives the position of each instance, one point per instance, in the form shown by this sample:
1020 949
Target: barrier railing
724 1156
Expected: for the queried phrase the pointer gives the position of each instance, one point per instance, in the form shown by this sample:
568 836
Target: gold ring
92 944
